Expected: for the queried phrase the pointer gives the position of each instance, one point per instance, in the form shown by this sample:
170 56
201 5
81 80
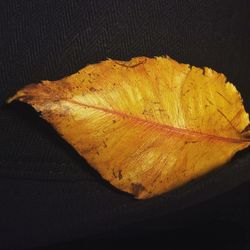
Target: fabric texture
48 193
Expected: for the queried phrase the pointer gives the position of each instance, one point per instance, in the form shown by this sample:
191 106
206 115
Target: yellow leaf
147 125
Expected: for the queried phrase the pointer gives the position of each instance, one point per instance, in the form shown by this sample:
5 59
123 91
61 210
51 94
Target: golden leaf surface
147 125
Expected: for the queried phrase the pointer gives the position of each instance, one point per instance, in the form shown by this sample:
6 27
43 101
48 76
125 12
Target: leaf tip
11 99
15 97
24 94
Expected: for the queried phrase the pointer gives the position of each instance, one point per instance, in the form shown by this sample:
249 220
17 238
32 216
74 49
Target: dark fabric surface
49 195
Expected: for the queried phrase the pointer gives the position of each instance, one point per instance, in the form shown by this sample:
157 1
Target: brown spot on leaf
113 172
209 101
92 89
188 90
160 110
129 65
137 188
186 142
120 174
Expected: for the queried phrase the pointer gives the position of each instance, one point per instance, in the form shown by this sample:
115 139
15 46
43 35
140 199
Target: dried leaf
147 125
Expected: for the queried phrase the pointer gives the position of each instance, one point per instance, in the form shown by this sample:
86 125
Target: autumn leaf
147 125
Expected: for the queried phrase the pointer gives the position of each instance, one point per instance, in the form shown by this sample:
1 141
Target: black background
49 195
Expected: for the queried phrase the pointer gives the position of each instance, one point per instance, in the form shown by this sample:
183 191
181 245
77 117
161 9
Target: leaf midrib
163 126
